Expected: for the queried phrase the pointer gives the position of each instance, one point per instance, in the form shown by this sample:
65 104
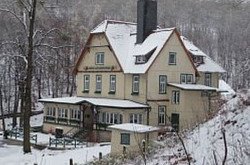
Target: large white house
137 73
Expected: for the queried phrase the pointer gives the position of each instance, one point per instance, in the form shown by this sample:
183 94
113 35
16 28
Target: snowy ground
13 154
205 143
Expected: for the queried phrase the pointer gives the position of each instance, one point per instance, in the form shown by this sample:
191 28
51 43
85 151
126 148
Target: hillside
205 143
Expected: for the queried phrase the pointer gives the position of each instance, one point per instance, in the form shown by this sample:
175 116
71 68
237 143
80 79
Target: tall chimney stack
146 19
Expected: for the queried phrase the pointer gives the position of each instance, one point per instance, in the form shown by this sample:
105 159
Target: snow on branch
45 35
55 47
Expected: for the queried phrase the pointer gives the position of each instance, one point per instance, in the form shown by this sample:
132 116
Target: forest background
220 28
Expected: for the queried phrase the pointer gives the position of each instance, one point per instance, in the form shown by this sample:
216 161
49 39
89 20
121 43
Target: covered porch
90 115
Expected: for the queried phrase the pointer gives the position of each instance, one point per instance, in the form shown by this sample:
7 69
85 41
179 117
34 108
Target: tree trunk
28 81
1 108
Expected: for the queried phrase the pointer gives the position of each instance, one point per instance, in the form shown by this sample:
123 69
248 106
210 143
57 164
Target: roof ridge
120 22
164 29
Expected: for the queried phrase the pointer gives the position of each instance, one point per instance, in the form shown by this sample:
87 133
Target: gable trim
160 51
189 56
187 52
87 47
75 70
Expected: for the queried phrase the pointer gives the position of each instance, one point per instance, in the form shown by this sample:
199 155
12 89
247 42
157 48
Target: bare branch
46 34
24 5
19 19
223 131
54 47
12 56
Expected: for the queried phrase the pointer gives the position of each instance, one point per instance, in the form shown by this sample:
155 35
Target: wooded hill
220 28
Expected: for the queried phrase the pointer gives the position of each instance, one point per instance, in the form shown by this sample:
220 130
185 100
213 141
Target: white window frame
135 84
186 77
110 118
189 77
136 118
99 58
112 83
98 83
62 113
176 97
172 54
208 80
51 111
86 82
162 84
75 114
162 115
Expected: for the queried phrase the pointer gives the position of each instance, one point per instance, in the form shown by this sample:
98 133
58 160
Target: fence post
100 156
75 142
56 142
15 134
63 142
71 161
49 141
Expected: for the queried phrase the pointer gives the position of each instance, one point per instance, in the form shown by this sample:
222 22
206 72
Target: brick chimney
146 19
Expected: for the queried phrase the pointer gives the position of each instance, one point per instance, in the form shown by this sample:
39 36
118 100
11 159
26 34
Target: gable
87 62
183 65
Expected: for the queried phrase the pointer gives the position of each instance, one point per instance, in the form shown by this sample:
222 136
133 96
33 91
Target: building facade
160 79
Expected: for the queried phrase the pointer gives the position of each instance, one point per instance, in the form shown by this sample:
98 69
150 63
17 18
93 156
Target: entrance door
175 121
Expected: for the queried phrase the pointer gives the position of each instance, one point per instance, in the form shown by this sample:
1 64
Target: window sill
162 93
98 92
171 64
85 91
135 93
111 92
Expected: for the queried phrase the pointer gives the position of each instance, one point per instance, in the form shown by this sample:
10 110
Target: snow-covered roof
197 87
103 102
122 37
209 65
132 127
223 86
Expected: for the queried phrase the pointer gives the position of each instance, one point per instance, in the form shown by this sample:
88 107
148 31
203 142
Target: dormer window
140 59
198 59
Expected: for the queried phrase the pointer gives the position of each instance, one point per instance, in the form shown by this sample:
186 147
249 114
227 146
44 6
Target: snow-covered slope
205 143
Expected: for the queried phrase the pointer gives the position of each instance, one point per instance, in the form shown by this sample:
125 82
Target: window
208 79
162 84
99 58
189 79
198 59
186 78
140 59
98 84
110 118
175 97
51 111
172 58
162 115
75 114
112 86
86 83
62 113
125 138
103 117
135 118
135 84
